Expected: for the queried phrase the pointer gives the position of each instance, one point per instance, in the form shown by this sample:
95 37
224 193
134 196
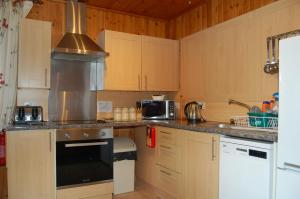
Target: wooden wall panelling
53 11
98 19
210 13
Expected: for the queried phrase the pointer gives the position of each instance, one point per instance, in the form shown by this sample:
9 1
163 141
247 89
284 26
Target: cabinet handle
166 147
213 149
146 82
46 76
167 173
139 82
165 132
50 142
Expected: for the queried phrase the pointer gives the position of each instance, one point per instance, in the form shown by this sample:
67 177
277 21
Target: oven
84 156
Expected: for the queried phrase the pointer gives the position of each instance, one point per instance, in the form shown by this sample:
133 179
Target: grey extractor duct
75 44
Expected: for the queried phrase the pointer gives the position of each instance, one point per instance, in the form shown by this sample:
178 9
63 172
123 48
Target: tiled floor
144 191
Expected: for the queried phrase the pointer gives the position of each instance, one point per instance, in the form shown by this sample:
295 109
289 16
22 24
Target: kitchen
209 53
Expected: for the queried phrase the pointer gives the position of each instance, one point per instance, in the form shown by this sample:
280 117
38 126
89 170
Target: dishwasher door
245 169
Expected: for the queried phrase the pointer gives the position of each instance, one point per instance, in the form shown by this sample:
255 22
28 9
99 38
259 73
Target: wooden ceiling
165 9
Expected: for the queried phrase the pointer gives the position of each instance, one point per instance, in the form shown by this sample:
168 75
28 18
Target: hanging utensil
267 65
274 64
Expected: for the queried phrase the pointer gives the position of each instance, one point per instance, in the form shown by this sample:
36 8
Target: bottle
265 106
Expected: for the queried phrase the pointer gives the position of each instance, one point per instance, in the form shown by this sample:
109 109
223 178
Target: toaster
28 114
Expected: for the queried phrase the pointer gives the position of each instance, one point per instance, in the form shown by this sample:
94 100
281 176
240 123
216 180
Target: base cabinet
169 181
201 166
31 164
96 191
187 163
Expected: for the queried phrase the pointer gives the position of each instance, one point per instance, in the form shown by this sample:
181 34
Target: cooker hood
75 44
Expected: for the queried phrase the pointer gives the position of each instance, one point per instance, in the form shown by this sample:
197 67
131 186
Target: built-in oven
84 156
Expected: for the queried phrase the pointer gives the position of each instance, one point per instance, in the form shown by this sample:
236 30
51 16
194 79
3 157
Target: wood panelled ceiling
165 9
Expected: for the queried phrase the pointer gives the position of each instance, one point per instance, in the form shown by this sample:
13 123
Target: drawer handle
166 147
213 156
164 172
165 132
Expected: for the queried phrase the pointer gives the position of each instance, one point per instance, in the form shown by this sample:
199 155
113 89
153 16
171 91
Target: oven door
87 161
154 109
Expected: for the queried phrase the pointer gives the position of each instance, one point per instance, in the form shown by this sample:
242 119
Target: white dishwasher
246 169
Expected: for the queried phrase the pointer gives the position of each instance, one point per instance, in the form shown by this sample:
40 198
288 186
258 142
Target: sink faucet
231 101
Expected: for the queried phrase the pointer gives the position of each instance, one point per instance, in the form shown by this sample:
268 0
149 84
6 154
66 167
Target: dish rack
256 122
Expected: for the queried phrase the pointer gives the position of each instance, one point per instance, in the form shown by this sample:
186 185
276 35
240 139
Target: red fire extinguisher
2 148
151 137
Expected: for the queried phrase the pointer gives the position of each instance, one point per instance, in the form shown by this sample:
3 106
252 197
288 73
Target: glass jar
132 114
117 114
125 114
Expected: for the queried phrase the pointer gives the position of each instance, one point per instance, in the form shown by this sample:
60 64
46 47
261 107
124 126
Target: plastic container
263 120
265 106
124 165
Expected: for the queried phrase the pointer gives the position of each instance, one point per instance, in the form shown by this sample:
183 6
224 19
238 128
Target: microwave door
154 110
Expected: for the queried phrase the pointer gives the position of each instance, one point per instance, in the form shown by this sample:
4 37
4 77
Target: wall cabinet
123 65
34 54
31 164
160 64
140 63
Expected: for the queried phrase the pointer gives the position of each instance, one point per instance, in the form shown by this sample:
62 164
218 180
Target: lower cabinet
96 191
31 164
187 163
201 173
169 181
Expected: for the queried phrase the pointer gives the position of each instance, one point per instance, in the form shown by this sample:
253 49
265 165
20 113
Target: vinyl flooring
144 191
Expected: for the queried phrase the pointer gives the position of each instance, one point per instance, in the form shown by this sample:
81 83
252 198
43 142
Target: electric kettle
192 111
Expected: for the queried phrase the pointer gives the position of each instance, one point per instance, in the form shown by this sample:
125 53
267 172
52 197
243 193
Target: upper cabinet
123 65
34 54
140 63
160 64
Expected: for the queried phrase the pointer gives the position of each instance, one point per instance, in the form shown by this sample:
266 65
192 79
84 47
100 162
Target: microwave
157 110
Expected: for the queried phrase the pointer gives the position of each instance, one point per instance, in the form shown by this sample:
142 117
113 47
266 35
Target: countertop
209 127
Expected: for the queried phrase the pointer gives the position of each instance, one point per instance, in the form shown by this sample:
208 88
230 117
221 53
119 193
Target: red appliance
2 148
151 137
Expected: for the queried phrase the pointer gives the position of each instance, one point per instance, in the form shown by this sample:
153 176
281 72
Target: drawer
96 191
169 182
169 136
171 158
166 137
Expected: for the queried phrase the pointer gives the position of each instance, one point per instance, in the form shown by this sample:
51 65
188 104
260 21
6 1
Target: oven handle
86 144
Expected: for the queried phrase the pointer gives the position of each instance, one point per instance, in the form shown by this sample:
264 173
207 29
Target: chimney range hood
75 44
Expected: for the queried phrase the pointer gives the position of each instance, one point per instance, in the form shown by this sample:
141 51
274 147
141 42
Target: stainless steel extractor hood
76 45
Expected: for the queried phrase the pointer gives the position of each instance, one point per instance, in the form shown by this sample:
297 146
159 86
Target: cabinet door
34 54
123 65
31 165
160 64
201 169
